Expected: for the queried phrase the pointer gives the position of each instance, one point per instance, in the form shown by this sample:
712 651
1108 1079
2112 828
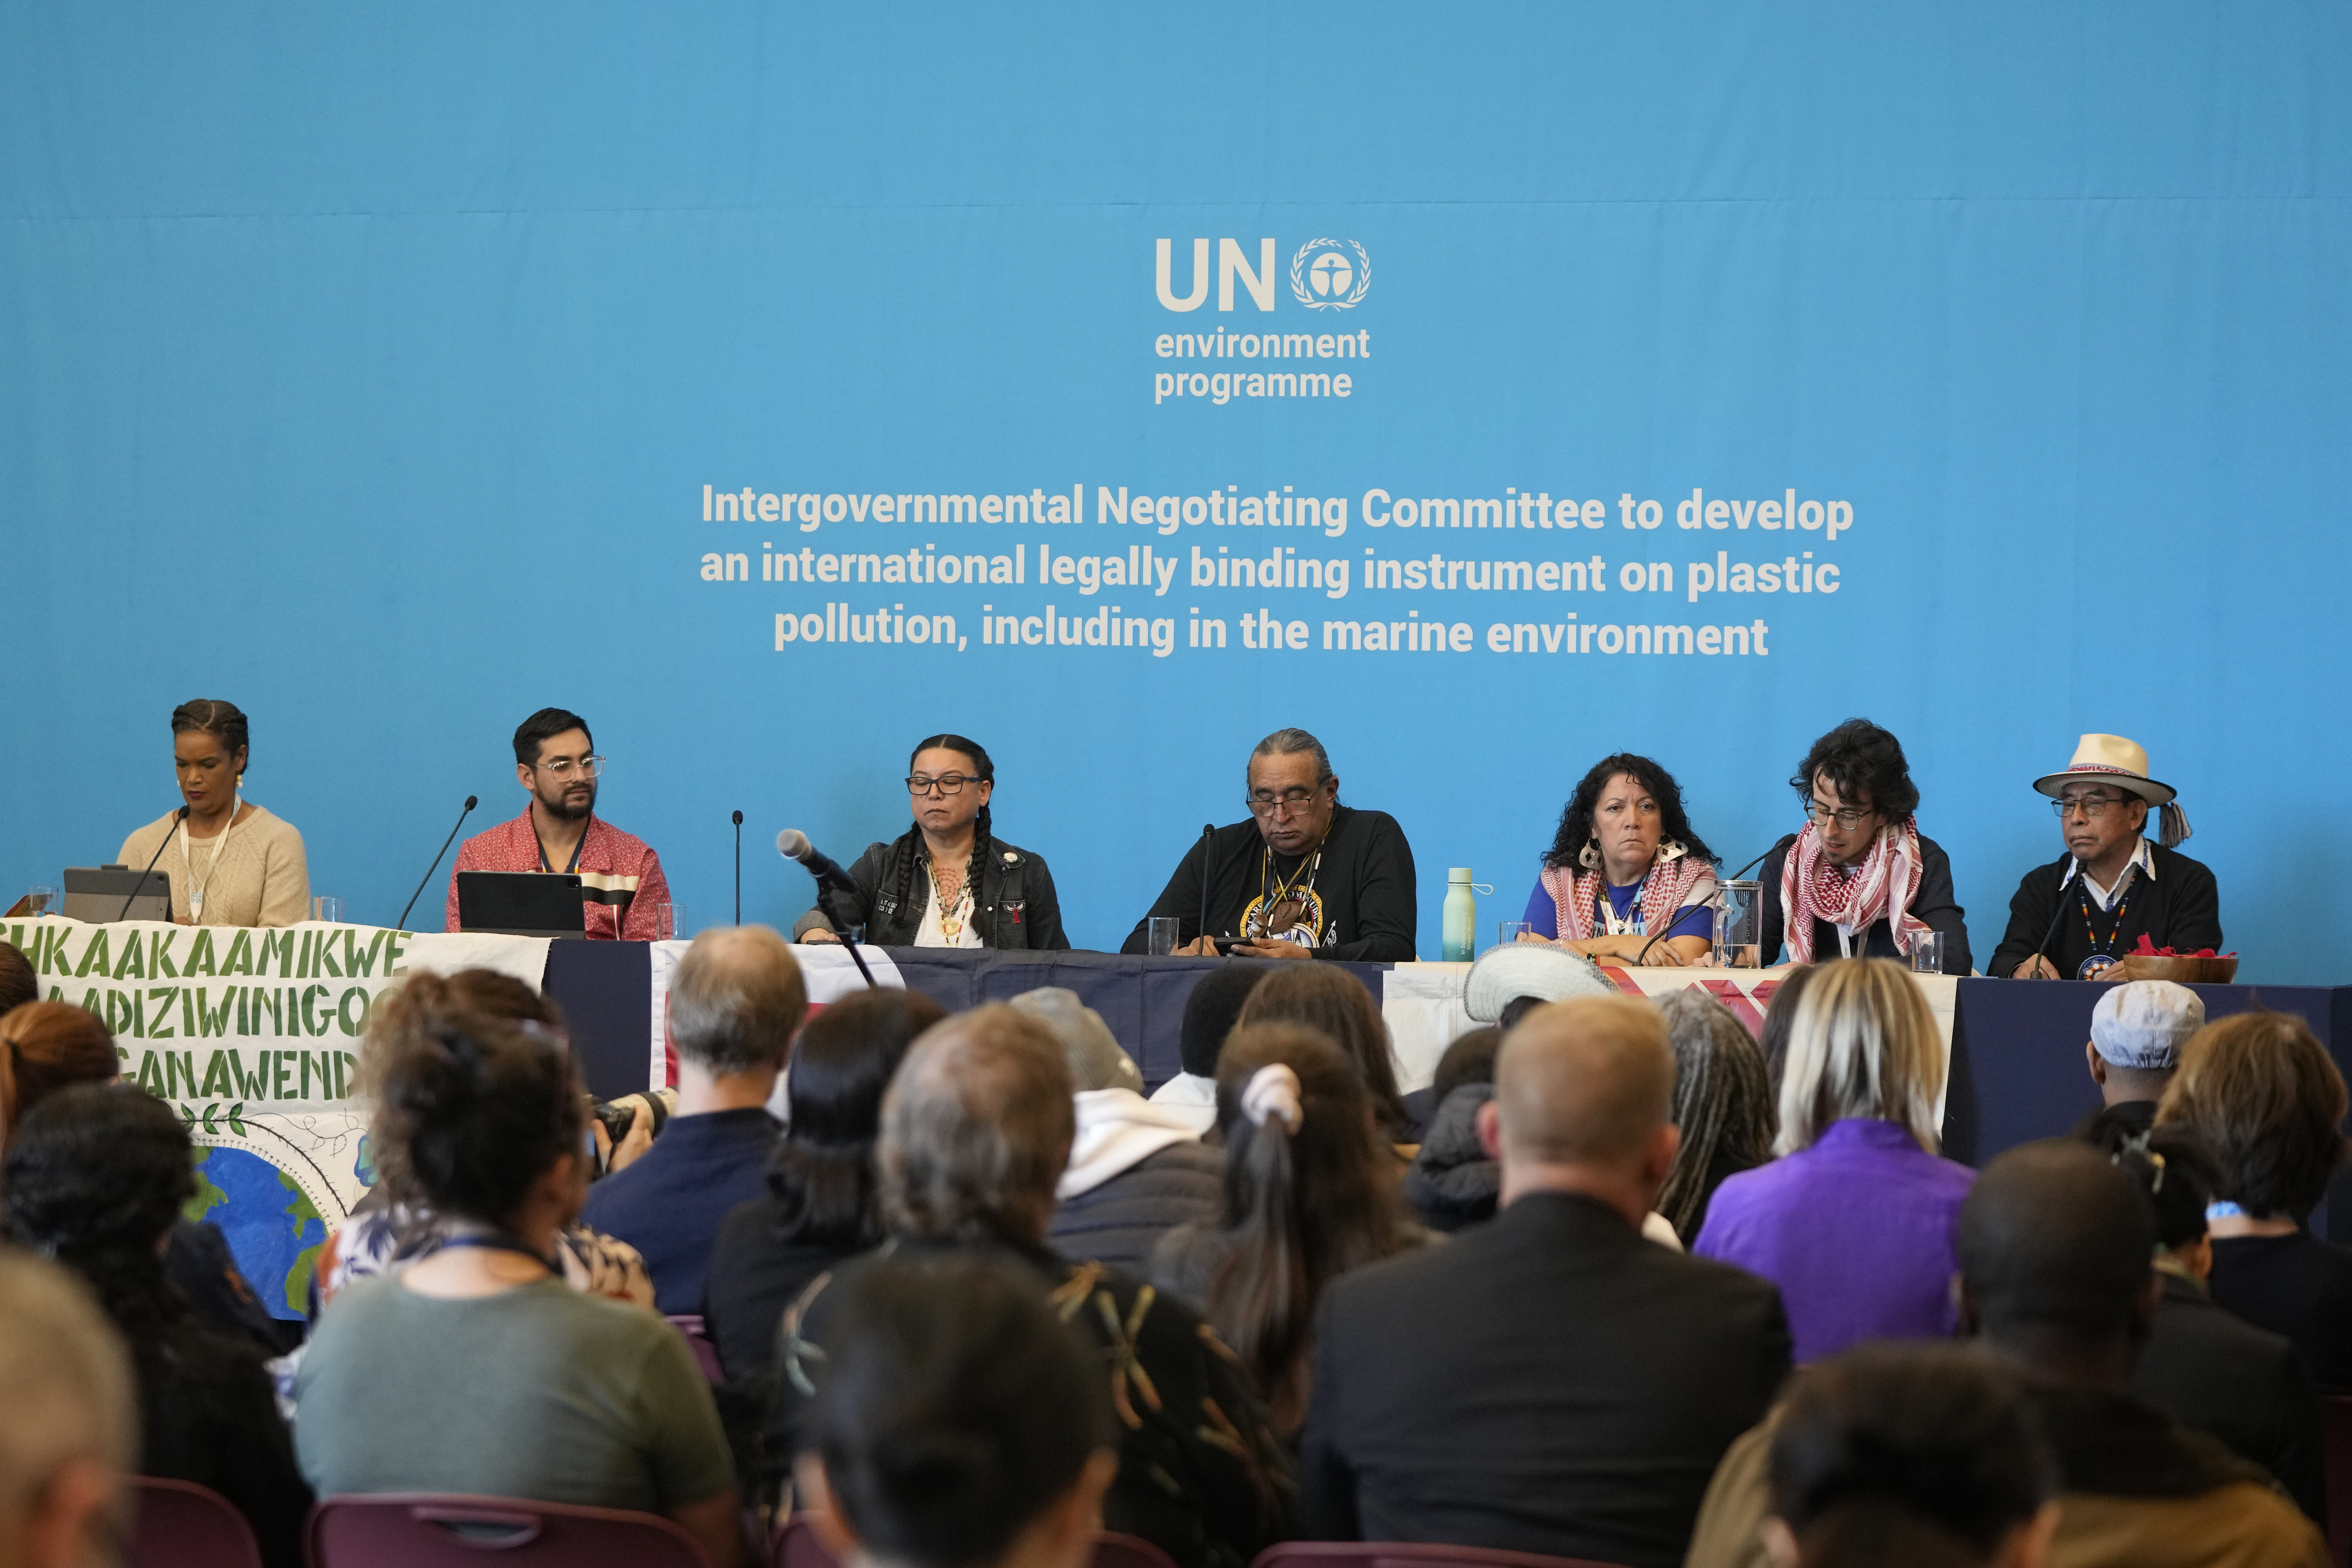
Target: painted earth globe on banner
273 1229
1329 275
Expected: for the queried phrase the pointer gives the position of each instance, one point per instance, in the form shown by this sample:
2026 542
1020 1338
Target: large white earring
1671 849
1590 856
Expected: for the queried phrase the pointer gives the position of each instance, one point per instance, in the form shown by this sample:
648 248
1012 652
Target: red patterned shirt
621 880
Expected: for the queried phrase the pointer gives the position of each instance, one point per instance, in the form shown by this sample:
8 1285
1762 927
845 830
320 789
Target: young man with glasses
2080 914
1304 877
621 880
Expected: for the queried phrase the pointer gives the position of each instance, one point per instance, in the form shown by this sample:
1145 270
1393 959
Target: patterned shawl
1667 889
1813 890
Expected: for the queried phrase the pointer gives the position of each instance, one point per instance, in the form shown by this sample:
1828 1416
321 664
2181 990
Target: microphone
177 817
738 867
793 845
1208 848
2042 947
471 802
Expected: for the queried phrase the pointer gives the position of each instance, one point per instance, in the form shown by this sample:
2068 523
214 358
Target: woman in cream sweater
231 863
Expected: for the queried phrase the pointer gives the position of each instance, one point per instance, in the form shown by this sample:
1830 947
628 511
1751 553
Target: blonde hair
1863 1043
64 1382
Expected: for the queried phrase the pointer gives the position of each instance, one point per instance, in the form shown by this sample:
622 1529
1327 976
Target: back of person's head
2140 1026
956 1412
1469 1059
1773 1039
1310 1188
976 1129
44 1046
501 995
1721 1102
18 983
735 1000
68 1421
471 1108
823 1169
1588 1081
2262 1095
1087 1044
1210 1009
1326 997
2055 1250
1863 1043
1922 1455
94 1177
2170 1166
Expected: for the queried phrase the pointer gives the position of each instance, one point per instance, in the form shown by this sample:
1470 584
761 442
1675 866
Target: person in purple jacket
1855 1221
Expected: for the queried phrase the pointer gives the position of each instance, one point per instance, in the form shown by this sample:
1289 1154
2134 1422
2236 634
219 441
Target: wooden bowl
2181 970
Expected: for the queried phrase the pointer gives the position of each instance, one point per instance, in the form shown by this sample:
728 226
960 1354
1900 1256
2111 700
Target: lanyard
1634 924
576 849
188 859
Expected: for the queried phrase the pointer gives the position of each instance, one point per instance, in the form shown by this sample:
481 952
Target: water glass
42 901
328 908
1161 935
1507 933
1926 953
670 922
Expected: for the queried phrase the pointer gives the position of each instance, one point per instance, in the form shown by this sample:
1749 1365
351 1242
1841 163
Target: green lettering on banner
280 942
343 1019
188 1012
359 964
326 952
116 1014
344 1062
50 944
271 1001
239 959
279 1073
94 956
215 1020
179 1065
303 1086
200 952
149 1078
395 950
139 1013
132 964
257 1087
311 1022
161 996
218 1079
159 954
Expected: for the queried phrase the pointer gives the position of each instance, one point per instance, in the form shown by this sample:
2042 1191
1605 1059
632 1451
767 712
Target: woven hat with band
2110 759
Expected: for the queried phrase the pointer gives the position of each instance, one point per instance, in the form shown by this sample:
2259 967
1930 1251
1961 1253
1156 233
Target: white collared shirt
2106 896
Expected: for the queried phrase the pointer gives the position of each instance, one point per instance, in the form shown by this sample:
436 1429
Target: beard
566 807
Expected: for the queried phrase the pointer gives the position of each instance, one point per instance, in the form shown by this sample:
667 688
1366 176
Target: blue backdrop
366 366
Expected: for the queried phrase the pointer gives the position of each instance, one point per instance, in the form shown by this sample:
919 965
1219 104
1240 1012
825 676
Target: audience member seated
68 1424
1925 1455
1506 981
1310 1192
961 1426
1333 1002
822 1204
2057 1280
1453 1181
18 983
1722 1106
1136 1171
1548 1382
1855 1221
1210 1009
1773 1039
735 1000
976 1130
2261 1096
47 1046
392 1225
2203 1365
475 1369
94 1177
2136 1031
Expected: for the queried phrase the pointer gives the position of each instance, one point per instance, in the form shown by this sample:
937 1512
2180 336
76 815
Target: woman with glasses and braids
230 862
1625 879
947 882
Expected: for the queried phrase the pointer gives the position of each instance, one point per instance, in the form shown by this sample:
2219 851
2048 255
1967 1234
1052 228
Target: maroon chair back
797 1545
2336 1442
180 1524
422 1531
1407 1554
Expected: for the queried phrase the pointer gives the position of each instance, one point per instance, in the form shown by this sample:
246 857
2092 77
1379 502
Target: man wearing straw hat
2079 915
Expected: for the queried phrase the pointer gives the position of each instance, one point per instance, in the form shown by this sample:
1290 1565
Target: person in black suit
1548 1382
1860 879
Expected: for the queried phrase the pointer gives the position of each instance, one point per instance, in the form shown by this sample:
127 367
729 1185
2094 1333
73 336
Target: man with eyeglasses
621 880
1304 877
2077 917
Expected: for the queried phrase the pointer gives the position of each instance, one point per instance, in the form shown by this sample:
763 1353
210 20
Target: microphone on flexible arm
177 817
1208 850
738 867
2040 948
471 802
793 845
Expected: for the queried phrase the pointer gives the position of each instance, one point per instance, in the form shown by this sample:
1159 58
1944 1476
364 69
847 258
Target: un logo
1325 277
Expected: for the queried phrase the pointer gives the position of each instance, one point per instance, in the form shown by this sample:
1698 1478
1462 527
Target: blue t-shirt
1696 920
669 1203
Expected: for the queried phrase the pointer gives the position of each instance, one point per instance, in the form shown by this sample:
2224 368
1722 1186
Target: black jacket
2207 1369
1015 907
2179 908
1118 1222
1935 904
1548 1382
1366 883
207 1413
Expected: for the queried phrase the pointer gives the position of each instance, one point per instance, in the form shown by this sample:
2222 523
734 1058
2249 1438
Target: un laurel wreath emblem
1324 277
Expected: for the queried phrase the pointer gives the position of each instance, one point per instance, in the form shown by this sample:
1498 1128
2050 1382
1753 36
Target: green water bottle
1460 941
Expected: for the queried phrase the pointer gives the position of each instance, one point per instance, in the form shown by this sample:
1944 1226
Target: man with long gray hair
1304 876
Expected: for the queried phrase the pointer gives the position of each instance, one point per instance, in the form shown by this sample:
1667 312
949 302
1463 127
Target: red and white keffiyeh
1665 891
1884 885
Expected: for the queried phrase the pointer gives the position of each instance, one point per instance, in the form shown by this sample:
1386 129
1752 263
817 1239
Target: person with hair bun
475 1369
1310 1192
948 880
1337 1004
231 863
962 1424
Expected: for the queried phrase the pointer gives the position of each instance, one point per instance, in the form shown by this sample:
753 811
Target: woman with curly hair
947 882
1625 879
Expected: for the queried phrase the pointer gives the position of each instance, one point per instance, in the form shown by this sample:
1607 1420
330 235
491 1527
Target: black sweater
1369 914
2179 907
1936 903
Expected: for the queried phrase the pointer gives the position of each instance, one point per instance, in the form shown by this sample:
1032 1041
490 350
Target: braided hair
223 721
1722 1103
909 849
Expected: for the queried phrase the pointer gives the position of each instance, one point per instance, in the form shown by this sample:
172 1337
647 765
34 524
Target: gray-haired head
1093 1051
1290 743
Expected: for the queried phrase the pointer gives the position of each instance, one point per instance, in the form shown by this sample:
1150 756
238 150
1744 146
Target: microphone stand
1208 852
833 921
738 867
471 800
177 817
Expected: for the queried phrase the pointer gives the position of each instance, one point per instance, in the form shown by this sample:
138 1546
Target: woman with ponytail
947 882
475 1368
1310 1193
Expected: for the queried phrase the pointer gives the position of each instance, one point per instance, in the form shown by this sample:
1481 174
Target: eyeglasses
564 767
946 783
1266 803
1845 817
2090 805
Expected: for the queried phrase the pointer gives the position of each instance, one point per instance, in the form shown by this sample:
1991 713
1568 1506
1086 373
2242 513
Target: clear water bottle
1461 940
